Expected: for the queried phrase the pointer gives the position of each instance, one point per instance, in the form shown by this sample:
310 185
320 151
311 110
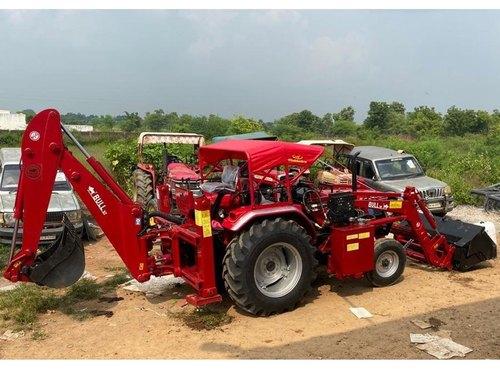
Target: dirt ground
466 304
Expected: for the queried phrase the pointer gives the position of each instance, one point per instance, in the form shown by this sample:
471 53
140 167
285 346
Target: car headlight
74 216
7 219
447 190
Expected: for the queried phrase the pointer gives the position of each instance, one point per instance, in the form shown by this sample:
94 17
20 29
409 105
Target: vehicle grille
432 193
54 217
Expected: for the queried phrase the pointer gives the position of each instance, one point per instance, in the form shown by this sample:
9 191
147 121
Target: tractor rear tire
143 190
390 262
269 268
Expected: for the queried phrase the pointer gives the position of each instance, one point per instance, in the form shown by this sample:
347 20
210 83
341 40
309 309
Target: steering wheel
313 204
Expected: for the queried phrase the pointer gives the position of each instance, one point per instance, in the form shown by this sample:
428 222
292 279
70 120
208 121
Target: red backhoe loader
255 228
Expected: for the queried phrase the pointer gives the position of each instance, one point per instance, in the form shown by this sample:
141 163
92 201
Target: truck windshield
399 168
10 179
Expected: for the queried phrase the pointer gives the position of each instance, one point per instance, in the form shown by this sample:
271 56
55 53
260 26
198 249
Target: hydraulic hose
160 214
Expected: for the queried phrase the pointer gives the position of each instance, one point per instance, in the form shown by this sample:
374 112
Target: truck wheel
390 262
269 268
143 191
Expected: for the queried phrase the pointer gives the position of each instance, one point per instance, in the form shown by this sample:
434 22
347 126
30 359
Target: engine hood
420 183
59 201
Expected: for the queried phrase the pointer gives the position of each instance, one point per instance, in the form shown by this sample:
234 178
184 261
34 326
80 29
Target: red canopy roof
261 155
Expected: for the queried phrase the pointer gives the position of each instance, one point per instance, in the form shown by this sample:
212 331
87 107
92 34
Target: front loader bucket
472 244
63 263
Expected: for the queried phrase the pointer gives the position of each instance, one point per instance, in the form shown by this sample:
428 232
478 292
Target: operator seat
228 180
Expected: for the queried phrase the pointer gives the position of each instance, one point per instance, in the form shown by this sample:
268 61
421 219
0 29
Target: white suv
63 201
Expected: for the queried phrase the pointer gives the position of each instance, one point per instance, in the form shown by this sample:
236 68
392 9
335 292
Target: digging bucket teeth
63 263
472 244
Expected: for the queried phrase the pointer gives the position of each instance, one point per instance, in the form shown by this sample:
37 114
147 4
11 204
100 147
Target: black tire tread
143 185
378 282
239 248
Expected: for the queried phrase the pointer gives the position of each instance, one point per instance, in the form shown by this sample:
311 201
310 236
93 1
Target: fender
286 211
149 168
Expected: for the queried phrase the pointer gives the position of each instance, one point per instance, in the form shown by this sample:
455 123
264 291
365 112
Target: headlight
447 190
8 220
74 216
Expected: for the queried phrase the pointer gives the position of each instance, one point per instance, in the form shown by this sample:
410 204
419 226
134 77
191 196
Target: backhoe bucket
472 244
63 263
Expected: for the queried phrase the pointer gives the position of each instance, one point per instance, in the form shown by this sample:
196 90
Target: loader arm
43 153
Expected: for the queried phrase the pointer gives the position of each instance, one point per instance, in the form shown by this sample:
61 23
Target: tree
155 121
345 114
131 122
105 122
461 121
386 117
424 120
344 128
378 115
77 118
241 124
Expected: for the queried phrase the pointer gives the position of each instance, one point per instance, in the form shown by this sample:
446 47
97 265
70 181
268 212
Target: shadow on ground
474 325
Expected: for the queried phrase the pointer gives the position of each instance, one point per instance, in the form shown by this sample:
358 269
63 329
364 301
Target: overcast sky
263 64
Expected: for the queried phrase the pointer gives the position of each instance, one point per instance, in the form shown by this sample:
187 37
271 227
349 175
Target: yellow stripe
351 236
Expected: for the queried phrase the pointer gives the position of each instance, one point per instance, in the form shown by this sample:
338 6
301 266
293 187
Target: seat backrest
230 175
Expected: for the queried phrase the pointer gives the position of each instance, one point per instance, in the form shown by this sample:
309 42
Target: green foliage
22 305
461 121
103 122
345 114
344 128
4 255
10 139
85 289
122 156
425 121
132 122
77 118
240 124
203 318
386 117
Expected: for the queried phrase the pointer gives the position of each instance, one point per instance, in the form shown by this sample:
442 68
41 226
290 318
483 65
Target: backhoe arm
43 153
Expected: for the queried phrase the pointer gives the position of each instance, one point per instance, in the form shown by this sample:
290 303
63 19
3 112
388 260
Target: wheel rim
387 263
278 270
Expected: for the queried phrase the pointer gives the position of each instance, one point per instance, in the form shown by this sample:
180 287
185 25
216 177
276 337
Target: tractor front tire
389 263
269 268
143 190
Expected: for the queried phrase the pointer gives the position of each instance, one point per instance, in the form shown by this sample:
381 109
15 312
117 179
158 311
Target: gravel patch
473 214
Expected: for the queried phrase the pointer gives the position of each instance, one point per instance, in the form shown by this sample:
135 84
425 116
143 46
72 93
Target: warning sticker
364 235
396 204
202 219
353 246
